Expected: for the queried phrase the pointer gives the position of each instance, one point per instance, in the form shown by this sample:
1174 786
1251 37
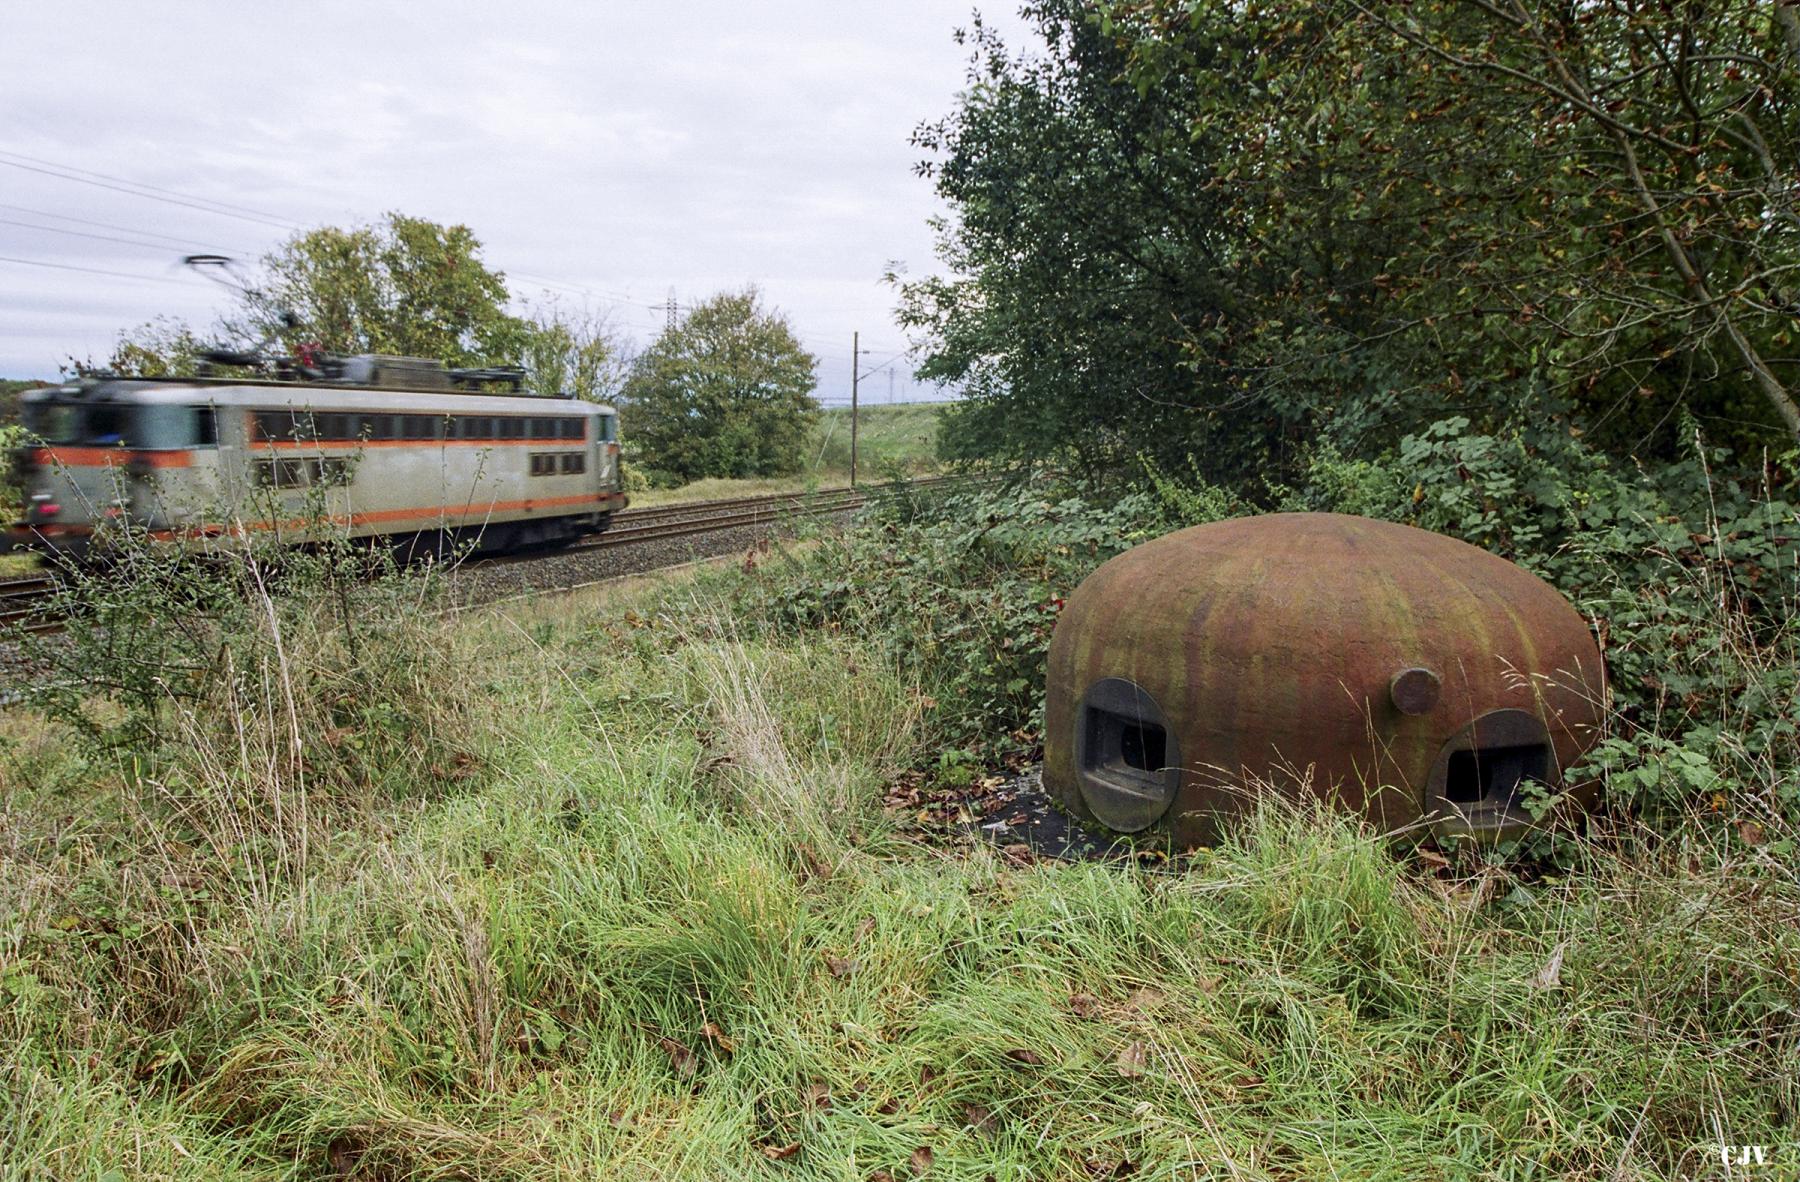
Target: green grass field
599 888
891 441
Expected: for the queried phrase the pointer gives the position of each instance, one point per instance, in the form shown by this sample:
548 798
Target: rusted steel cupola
1403 673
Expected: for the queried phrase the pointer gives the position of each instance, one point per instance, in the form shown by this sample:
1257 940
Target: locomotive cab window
609 428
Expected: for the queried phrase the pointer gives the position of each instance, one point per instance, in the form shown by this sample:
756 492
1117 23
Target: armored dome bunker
1404 674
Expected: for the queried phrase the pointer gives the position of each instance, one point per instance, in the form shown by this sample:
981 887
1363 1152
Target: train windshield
99 424
77 422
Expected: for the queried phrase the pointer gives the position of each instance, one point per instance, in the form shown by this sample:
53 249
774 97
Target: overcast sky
605 152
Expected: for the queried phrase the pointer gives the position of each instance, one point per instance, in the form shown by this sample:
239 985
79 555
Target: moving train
382 448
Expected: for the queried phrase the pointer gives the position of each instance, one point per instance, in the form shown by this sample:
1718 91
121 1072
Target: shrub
1689 573
257 686
964 589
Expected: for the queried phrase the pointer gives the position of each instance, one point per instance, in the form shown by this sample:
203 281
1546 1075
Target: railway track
23 601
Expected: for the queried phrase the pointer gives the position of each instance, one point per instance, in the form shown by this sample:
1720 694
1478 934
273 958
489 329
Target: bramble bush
1688 574
964 589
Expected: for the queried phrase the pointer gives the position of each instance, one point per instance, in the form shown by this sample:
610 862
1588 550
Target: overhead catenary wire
152 196
87 176
158 246
90 270
218 208
171 239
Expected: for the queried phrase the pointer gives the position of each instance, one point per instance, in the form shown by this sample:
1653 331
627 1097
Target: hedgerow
1690 576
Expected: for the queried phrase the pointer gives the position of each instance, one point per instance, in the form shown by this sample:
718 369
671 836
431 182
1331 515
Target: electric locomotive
382 448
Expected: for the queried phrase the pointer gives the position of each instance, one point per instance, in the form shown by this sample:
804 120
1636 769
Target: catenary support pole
855 371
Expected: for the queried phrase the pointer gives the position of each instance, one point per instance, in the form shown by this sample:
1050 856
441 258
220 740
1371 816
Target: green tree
163 347
1598 198
405 285
1084 252
1235 227
573 352
726 392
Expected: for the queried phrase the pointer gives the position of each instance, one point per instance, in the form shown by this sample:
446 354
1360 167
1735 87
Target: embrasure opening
1125 755
1478 784
1495 773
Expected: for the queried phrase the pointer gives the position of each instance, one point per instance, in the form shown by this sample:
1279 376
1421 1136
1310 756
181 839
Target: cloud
619 149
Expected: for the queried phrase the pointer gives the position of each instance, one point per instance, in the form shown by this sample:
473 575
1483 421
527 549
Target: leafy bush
1690 575
246 676
1690 578
965 590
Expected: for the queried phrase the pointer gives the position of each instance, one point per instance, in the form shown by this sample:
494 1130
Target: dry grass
659 928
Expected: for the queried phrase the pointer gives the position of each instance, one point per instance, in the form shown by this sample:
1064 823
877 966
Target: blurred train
382 448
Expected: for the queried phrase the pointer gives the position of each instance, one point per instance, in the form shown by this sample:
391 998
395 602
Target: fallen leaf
1018 853
1550 976
683 1060
921 1160
978 1116
881 1176
816 1095
864 928
1752 833
1085 1005
1432 858
780 1152
928 1073
888 1106
1145 999
840 966
1131 1060
1028 1057
718 1037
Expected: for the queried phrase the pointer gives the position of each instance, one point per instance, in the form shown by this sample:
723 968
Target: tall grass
659 928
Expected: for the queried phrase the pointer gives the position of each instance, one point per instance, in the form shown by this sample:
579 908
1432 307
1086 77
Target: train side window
331 471
574 461
279 473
